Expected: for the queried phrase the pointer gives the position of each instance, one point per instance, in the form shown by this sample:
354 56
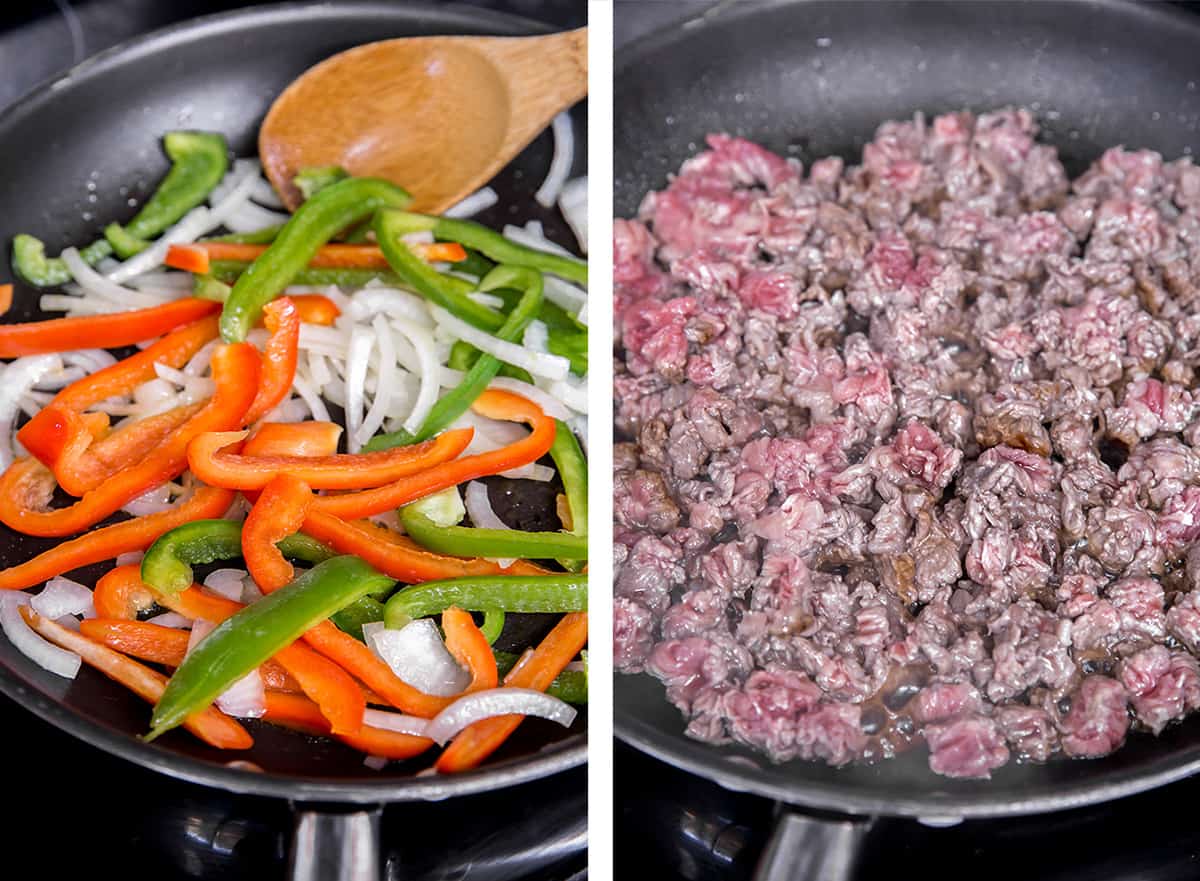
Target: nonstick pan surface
809 79
74 155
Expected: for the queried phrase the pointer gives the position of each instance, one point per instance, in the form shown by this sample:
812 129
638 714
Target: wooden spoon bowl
437 115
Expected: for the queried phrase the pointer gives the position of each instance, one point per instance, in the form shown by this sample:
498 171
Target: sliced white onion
16 380
96 285
200 362
479 705
417 655
398 722
312 399
531 236
532 471
264 194
479 509
571 392
29 643
229 583
573 203
551 405
560 162
171 619
244 699
250 217
393 302
130 557
536 336
480 200
62 596
562 293
359 352
422 341
537 363
385 383
376 763
153 501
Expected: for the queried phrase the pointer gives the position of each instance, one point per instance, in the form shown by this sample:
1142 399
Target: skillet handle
808 848
332 845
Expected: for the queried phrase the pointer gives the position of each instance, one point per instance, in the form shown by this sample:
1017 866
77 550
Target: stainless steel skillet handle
806 848
332 845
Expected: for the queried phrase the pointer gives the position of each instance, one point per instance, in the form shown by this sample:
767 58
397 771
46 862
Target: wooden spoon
437 115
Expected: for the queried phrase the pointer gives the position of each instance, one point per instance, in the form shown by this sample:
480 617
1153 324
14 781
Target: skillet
73 152
809 79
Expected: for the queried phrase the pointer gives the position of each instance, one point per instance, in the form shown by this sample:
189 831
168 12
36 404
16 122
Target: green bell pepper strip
491 244
168 563
124 244
362 611
570 685
230 270
198 162
443 290
314 223
453 404
245 640
572 470
466 541
509 593
263 236
475 264
310 181
493 624
206 287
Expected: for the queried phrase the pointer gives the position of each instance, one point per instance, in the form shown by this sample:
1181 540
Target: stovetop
84 812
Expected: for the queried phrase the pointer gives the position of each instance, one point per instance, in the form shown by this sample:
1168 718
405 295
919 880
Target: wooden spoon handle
546 75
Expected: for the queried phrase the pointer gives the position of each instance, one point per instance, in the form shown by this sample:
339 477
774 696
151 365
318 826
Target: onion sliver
398 722
537 363
16 380
417 655
171 619
573 203
560 162
96 285
62 596
25 640
480 200
480 705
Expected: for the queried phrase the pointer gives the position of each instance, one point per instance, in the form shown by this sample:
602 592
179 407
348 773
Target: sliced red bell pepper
278 513
210 725
536 670
27 486
234 470
110 542
173 350
282 321
335 691
493 403
294 711
470 647
190 258
316 309
397 556
100 331
120 597
293 439
6 298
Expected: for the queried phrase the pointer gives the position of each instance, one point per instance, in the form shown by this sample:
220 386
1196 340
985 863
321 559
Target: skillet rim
712 762
559 756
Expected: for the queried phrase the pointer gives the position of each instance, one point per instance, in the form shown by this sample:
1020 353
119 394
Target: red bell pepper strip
195 257
210 725
293 439
278 513
190 258
6 298
536 670
294 711
120 597
73 445
100 331
26 487
141 639
492 403
174 350
335 691
466 642
147 641
282 321
397 556
110 542
234 470
316 309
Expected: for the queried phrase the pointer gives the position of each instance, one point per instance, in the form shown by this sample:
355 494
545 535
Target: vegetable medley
322 398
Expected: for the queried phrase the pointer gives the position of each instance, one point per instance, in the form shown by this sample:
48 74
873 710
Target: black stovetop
673 826
81 812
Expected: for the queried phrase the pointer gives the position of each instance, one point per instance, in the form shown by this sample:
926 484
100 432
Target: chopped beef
910 449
